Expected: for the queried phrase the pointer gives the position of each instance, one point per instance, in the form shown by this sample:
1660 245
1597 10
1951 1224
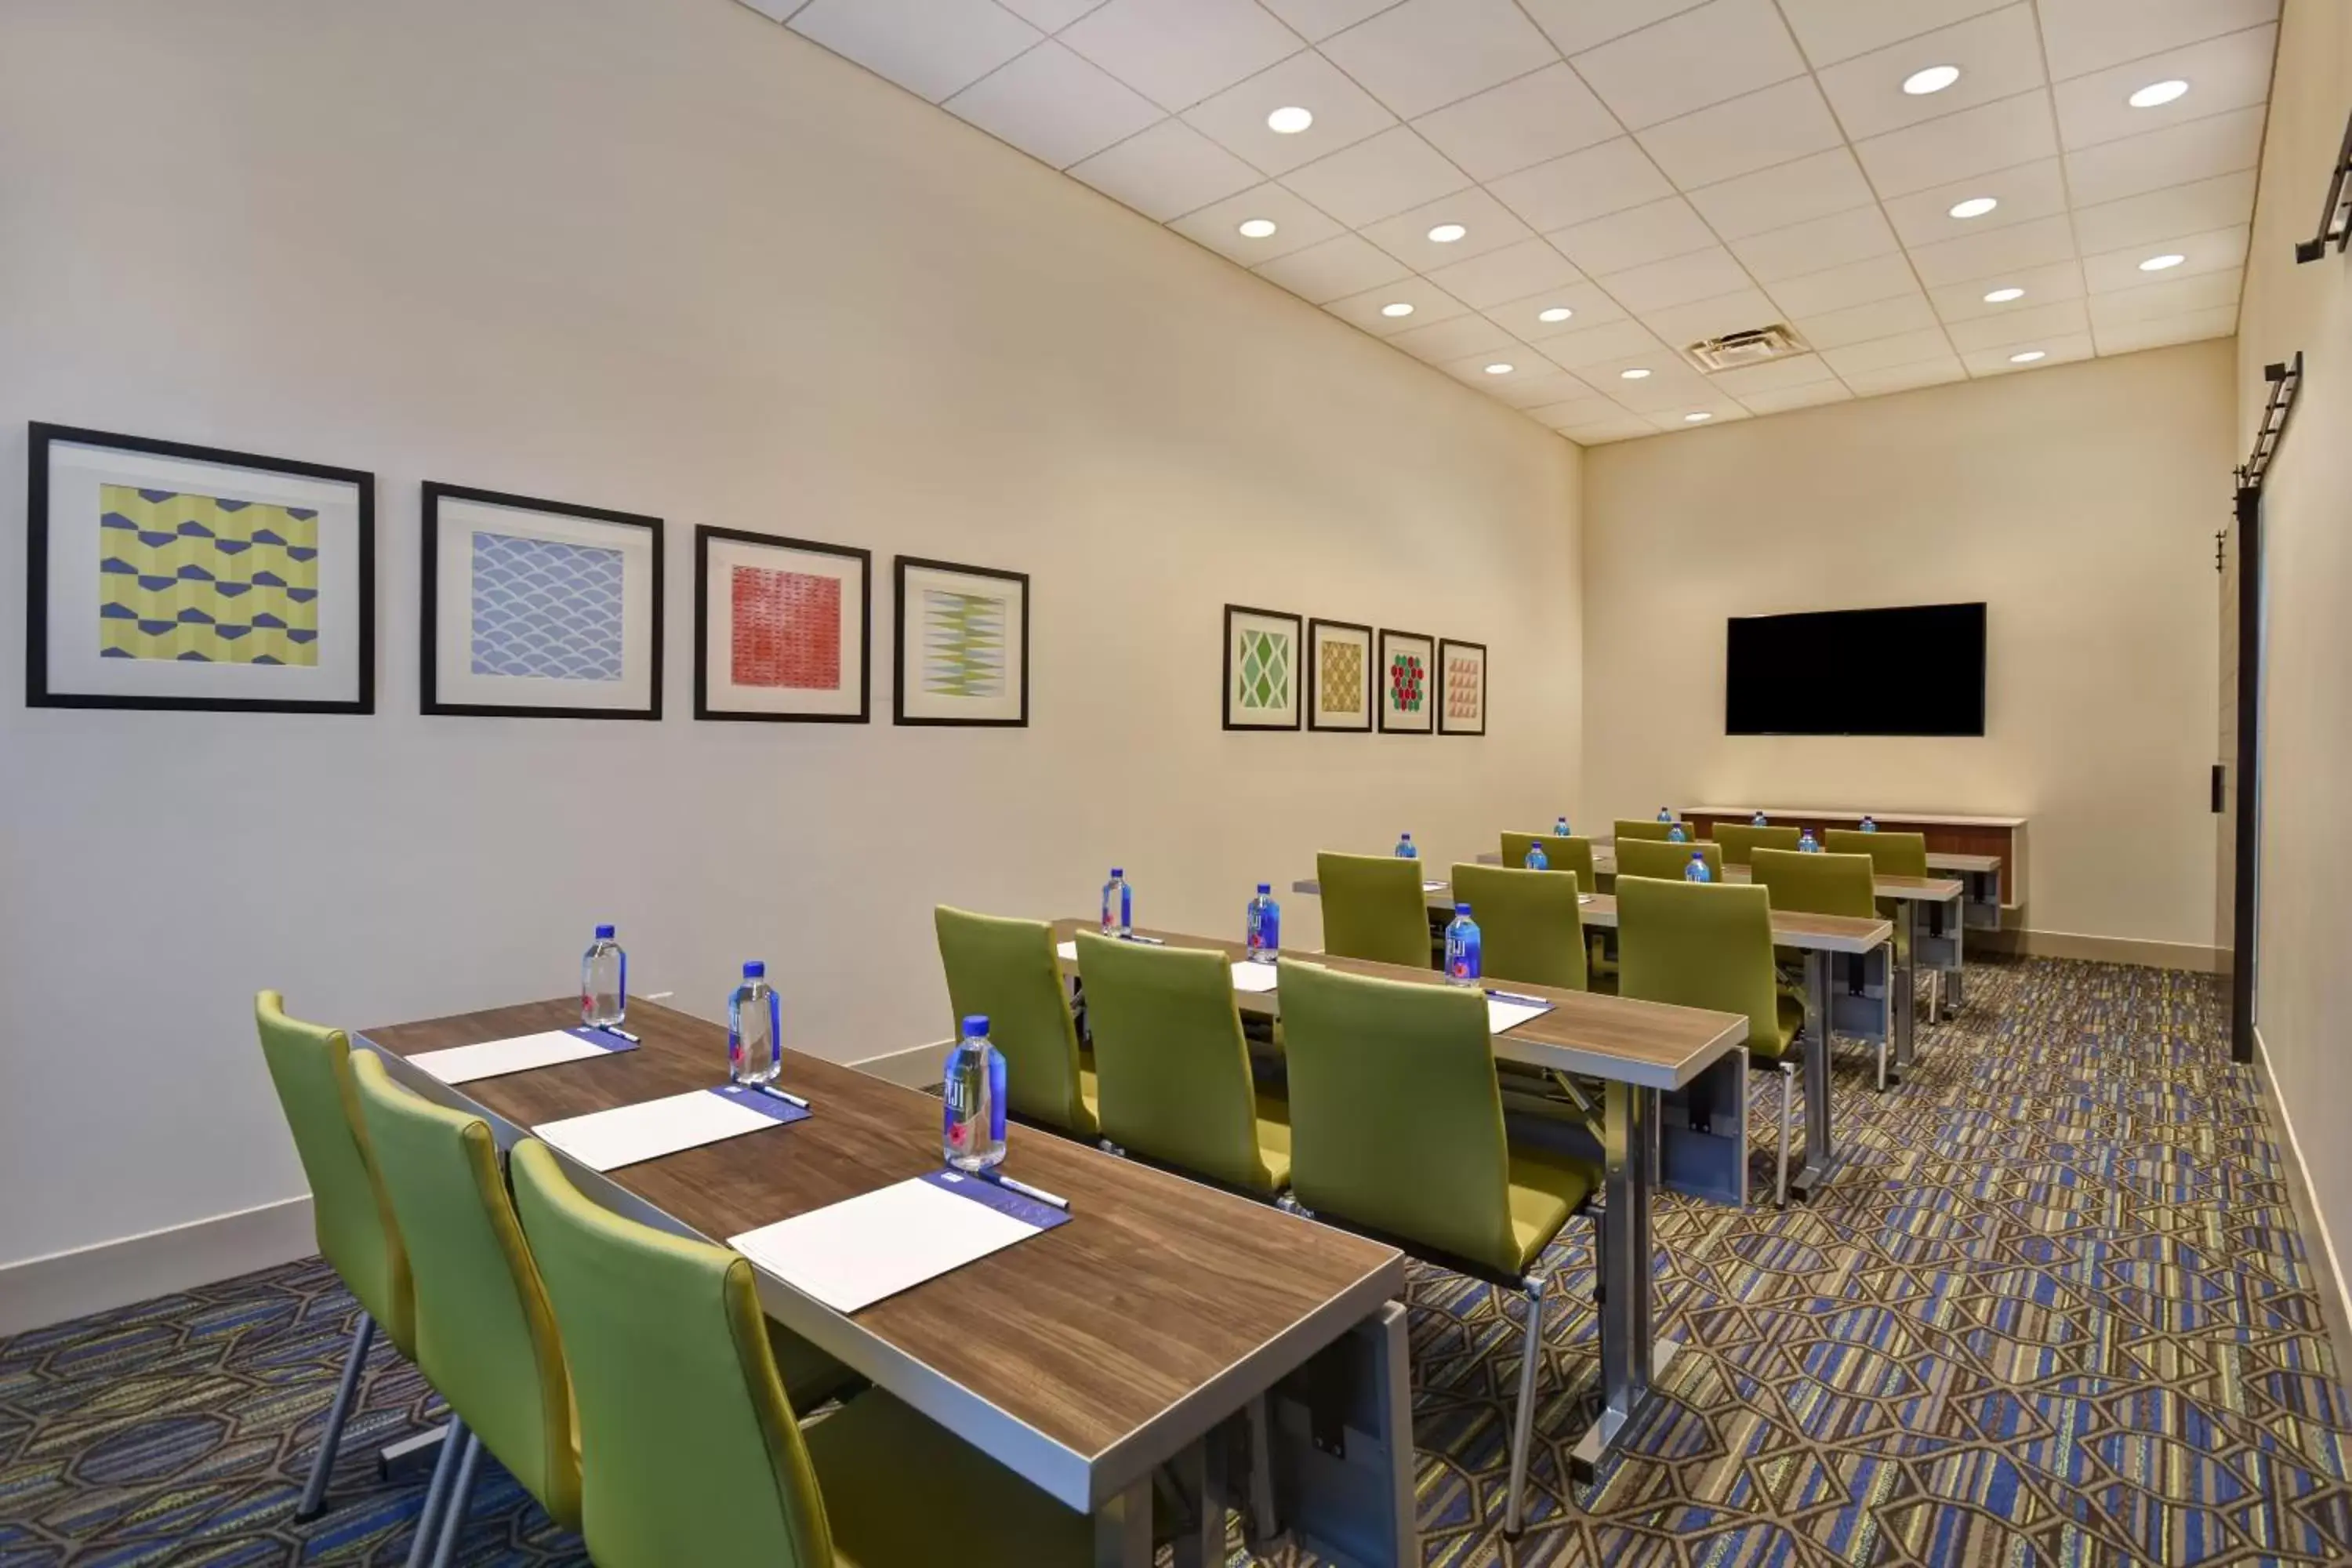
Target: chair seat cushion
1790 1019
900 1489
1544 1191
1273 1138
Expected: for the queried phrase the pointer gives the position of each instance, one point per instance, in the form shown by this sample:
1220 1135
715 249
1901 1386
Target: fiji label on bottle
1462 958
963 1123
1264 931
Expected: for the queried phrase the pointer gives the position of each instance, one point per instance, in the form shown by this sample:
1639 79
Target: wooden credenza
1962 846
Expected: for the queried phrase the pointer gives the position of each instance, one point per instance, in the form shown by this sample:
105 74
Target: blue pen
774 1093
1024 1189
1514 996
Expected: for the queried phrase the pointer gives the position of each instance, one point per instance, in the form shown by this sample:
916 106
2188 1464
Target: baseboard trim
2183 955
40 1291
917 1066
2335 1303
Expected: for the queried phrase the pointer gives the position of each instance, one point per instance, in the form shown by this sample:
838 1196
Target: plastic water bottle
1404 849
1697 870
1537 859
1675 835
1462 948
1118 905
973 1137
1868 825
755 1028
1759 820
604 981
1665 814
1807 843
1559 827
1262 926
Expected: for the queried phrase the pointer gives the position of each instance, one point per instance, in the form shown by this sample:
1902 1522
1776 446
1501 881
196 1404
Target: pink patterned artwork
787 629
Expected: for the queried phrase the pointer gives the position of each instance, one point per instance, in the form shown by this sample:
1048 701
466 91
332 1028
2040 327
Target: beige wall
2079 502
2304 1001
663 256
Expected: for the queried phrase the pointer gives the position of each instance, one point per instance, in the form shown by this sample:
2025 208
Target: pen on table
1024 1189
1516 996
1149 940
616 1029
775 1093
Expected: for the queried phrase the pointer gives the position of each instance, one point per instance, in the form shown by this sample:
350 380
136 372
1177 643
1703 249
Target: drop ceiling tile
1792 192
2066 318
1166 170
1839 287
1792 398
1217 226
1974 142
1999 55
1856 234
1718 410
1536 386
1406 236
2232 72
776 10
1541 115
1774 126
1862 323
1625 427
2194 149
1426 54
1722 49
2026 193
2045 242
1344 113
1377 178
1051 16
1575 25
1833 31
1583 186
1944 367
1511 273
1178 52
1334 269
1701 275
1778 375
1443 342
1054 106
1589 409
2042 286
1317 19
1888 353
1671 383
931 50
1587 306
2196 208
2085 36
1626 342
2112 271
1718 315
2206 292
1471 369
1430 305
2128 337
2059 349
1637 234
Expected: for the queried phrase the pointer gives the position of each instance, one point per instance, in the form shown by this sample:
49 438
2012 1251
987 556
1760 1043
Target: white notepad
1502 1016
1068 952
608 1140
492 1058
856 1252
1249 975
1428 887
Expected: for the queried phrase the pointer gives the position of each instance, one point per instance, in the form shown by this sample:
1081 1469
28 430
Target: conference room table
1638 1050
1094 1359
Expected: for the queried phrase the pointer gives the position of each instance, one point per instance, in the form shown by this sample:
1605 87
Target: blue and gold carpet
2057 1311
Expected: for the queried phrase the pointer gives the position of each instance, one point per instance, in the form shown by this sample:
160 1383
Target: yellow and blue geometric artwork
206 579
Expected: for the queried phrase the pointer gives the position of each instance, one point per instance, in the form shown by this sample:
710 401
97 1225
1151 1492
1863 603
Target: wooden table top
1926 890
1795 814
1079 1358
1821 934
1645 1043
1939 860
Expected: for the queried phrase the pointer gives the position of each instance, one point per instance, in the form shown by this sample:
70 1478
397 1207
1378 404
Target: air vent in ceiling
1756 347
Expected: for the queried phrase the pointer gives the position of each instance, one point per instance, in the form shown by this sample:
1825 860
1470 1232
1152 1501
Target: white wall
663 256
2079 502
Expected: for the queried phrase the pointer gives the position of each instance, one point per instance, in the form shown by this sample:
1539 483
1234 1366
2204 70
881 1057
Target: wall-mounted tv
1916 670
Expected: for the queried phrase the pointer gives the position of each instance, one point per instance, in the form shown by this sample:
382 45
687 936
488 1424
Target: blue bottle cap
1116 872
1462 909
603 933
1404 836
975 1026
754 969
1266 887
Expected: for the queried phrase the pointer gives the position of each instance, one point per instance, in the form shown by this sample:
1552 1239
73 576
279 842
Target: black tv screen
1918 670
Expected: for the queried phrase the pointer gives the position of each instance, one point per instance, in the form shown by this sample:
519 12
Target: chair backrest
1573 853
1738 838
1171 1066
1006 968
1650 827
1528 927
1892 853
1698 944
485 1336
1373 908
1651 857
1822 884
1396 1124
309 1065
688 1448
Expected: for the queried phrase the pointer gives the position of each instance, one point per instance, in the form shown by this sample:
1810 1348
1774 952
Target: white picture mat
917 703
1287 627
494 1059
453 660
76 472
627 1134
856 1252
719 640
1318 713
1394 720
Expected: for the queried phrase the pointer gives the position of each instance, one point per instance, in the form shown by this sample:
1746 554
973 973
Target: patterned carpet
2056 1311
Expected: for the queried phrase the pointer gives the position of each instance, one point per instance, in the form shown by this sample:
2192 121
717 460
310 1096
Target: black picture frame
704 534
1444 647
900 566
429 617
1298 678
39 692
1380 680
1313 703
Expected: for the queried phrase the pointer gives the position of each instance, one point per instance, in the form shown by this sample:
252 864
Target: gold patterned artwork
1342 678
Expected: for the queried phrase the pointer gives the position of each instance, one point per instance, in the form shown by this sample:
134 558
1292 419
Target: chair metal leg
314 1491
1523 1419
429 1517
453 1520
1788 1106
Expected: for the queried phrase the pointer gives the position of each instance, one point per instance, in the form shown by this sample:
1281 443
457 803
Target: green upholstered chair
1738 838
1824 884
484 1337
1007 971
1173 1068
1572 853
1651 857
689 1449
1709 944
1528 922
1890 854
1397 1131
1373 908
1649 827
308 1066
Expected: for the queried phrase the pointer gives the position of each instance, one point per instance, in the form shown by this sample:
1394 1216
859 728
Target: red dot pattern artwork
787 630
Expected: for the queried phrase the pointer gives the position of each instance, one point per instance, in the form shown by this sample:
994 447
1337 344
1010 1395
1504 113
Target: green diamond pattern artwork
1260 669
1265 671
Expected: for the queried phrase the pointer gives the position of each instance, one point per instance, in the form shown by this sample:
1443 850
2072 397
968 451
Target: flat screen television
1914 671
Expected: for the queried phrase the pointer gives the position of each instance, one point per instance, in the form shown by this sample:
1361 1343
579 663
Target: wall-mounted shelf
2336 217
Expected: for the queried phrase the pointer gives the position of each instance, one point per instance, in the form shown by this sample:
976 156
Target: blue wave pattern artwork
544 610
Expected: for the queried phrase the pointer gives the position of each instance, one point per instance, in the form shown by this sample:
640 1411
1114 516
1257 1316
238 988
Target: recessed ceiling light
2157 92
1975 207
2162 263
1289 120
1635 375
1257 227
1697 418
1557 313
2003 295
1399 308
1447 233
1935 78
1500 368
2028 357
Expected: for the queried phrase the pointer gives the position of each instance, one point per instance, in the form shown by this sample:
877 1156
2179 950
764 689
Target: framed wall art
964 644
781 629
1462 700
540 609
1260 669
1338 672
1407 695
164 575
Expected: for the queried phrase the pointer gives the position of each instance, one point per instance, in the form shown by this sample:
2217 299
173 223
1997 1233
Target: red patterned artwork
787 629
